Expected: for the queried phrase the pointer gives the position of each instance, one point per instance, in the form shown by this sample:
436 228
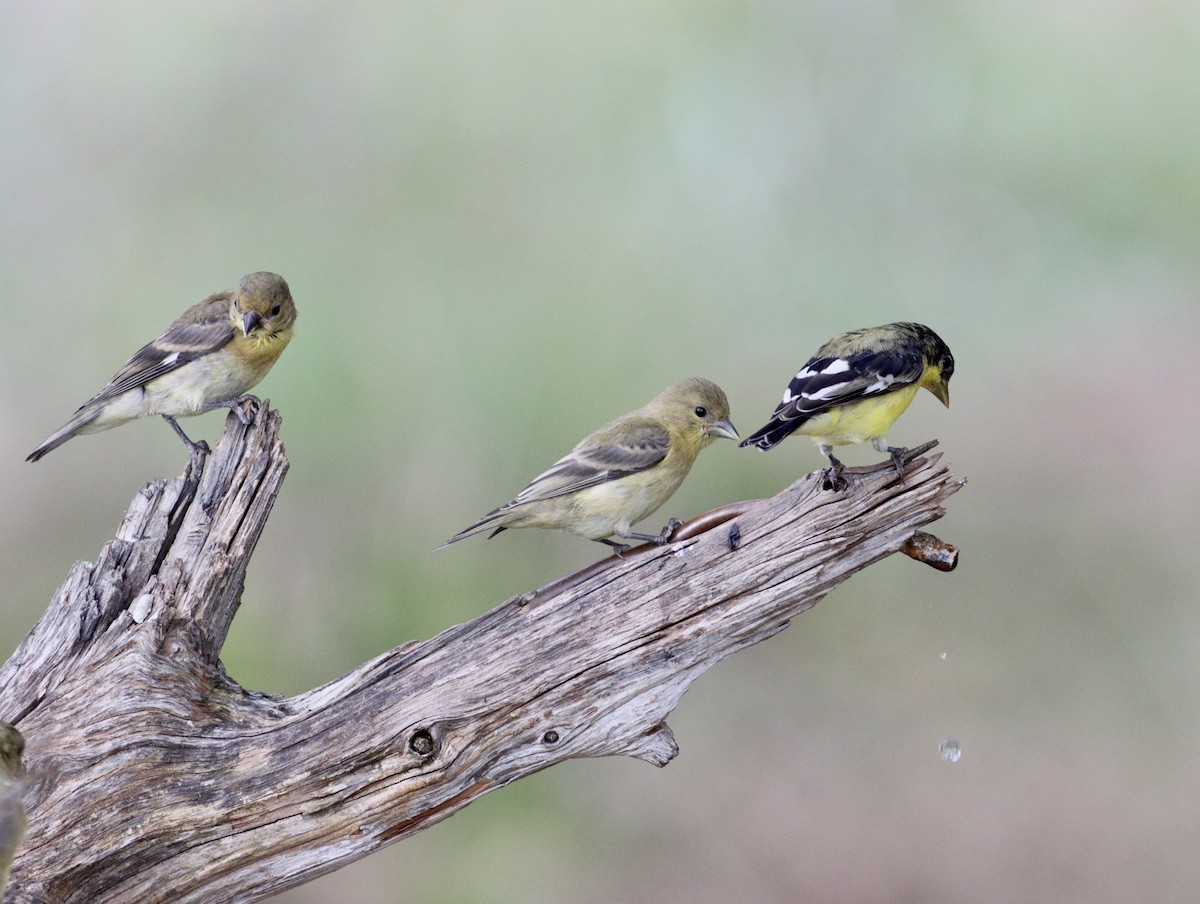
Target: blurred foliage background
505 223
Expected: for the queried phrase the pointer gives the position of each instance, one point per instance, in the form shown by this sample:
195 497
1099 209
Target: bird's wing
202 329
827 381
605 455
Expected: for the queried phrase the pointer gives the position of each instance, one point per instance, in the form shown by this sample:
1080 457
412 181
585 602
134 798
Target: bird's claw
659 539
199 451
832 478
618 548
246 408
673 524
899 455
195 466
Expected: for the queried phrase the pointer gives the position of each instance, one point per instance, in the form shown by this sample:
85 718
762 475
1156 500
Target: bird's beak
724 427
250 322
942 391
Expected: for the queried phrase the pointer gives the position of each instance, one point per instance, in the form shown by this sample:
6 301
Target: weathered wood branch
154 777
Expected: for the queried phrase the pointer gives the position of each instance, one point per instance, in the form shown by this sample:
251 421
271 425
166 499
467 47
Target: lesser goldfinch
855 386
12 808
209 358
622 472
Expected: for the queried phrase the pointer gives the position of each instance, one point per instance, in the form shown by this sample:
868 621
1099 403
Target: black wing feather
828 380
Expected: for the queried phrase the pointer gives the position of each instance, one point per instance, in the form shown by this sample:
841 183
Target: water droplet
950 751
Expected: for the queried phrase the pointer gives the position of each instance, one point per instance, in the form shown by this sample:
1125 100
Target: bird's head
263 303
697 407
939 363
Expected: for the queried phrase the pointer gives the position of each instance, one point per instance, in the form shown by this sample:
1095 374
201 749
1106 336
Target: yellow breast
859 422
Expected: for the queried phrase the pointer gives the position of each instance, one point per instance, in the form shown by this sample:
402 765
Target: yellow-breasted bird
12 808
209 358
622 472
855 386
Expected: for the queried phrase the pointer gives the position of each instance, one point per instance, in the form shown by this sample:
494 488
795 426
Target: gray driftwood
154 777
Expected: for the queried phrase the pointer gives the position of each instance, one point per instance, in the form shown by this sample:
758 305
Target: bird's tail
487 522
771 435
81 418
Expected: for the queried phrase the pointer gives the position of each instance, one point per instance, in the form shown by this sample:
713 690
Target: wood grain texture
154 777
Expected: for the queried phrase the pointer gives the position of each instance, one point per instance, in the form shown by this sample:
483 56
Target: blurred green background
505 223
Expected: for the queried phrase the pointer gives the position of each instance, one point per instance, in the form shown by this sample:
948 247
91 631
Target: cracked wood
154 777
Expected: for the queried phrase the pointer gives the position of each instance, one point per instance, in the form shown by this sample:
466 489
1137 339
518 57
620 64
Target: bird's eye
700 411
275 310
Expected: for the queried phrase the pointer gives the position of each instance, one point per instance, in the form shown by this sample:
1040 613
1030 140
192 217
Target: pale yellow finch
622 472
209 358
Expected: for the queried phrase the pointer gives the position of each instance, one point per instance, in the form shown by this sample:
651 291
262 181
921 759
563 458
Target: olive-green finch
622 472
209 358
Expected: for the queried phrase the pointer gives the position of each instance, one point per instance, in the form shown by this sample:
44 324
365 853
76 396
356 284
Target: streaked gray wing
183 343
600 458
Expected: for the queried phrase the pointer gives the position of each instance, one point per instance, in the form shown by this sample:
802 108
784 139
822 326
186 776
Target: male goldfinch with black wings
856 385
622 472
209 358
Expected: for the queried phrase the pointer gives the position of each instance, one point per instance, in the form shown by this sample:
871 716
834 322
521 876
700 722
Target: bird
622 472
12 808
855 387
209 358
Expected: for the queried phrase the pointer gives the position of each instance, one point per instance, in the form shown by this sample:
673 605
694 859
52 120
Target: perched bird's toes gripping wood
667 534
833 479
897 454
910 454
155 777
246 408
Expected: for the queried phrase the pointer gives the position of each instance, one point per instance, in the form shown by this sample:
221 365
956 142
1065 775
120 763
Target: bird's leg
198 453
619 547
199 450
898 454
831 477
673 524
657 539
239 407
195 467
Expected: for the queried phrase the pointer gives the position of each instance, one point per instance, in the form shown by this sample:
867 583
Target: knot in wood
422 743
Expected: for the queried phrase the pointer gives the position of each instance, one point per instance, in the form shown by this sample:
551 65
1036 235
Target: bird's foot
198 450
833 478
899 459
673 524
196 460
246 407
658 539
901 456
618 547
